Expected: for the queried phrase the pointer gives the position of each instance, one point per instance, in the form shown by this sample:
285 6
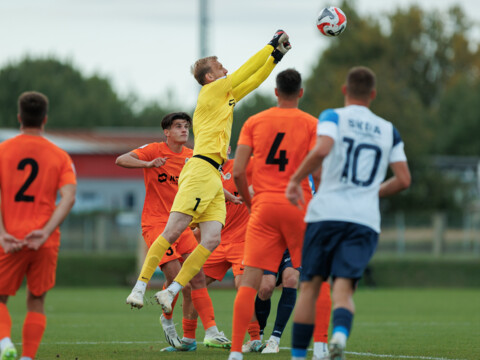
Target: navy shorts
337 249
285 263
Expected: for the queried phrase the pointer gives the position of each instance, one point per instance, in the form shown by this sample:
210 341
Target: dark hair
289 83
167 121
201 68
32 108
360 82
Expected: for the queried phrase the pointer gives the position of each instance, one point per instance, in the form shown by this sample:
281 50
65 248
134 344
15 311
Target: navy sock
342 321
262 310
301 336
284 310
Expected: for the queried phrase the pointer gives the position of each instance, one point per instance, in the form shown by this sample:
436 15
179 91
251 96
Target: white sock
276 339
212 330
320 349
167 322
339 338
188 340
236 355
6 342
261 337
25 358
174 288
140 286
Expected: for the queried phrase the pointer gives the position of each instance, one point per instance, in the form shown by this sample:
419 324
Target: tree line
428 84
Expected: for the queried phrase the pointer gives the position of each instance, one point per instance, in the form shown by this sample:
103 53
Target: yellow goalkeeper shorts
200 193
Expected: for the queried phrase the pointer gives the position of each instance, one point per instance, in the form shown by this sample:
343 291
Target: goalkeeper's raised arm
251 74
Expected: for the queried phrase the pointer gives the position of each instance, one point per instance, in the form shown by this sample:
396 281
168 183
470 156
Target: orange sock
5 322
323 311
243 309
33 329
189 328
203 304
254 330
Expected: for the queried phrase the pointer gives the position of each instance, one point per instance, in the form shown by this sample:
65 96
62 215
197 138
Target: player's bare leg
177 223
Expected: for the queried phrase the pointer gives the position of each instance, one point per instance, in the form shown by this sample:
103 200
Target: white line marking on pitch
283 348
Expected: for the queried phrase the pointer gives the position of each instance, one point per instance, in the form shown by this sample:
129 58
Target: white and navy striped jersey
364 146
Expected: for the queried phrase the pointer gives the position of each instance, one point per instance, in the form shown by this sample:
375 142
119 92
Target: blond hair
201 68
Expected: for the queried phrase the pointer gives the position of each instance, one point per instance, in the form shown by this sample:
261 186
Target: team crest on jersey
227 176
231 102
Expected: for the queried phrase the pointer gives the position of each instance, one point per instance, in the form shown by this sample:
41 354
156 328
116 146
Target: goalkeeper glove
279 38
281 50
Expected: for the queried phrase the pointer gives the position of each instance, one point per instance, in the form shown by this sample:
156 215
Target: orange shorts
272 228
39 267
224 257
185 244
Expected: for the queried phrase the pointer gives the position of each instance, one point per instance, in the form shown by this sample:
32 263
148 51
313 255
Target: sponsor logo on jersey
172 179
231 102
364 126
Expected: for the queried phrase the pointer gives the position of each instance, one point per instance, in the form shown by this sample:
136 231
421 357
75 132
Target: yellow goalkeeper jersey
213 116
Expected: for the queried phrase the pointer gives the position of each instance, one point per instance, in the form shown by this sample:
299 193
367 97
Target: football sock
301 336
154 255
320 349
32 333
174 288
5 322
323 311
189 328
284 310
342 325
262 310
243 309
192 265
203 304
211 331
254 330
275 338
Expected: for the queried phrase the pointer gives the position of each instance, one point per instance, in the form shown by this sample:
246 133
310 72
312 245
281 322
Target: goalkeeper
200 200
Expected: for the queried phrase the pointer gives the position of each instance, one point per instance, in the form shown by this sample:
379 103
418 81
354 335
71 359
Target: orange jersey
161 184
280 139
32 170
237 215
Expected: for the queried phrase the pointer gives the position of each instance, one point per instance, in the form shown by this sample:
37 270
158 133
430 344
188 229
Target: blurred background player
32 172
200 199
344 217
274 225
288 276
162 163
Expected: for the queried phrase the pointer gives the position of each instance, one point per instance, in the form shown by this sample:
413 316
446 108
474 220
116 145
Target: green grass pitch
95 323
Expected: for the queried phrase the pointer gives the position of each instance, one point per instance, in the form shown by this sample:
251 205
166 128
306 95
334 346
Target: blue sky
147 46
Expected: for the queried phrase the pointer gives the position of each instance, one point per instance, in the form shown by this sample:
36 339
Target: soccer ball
331 21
